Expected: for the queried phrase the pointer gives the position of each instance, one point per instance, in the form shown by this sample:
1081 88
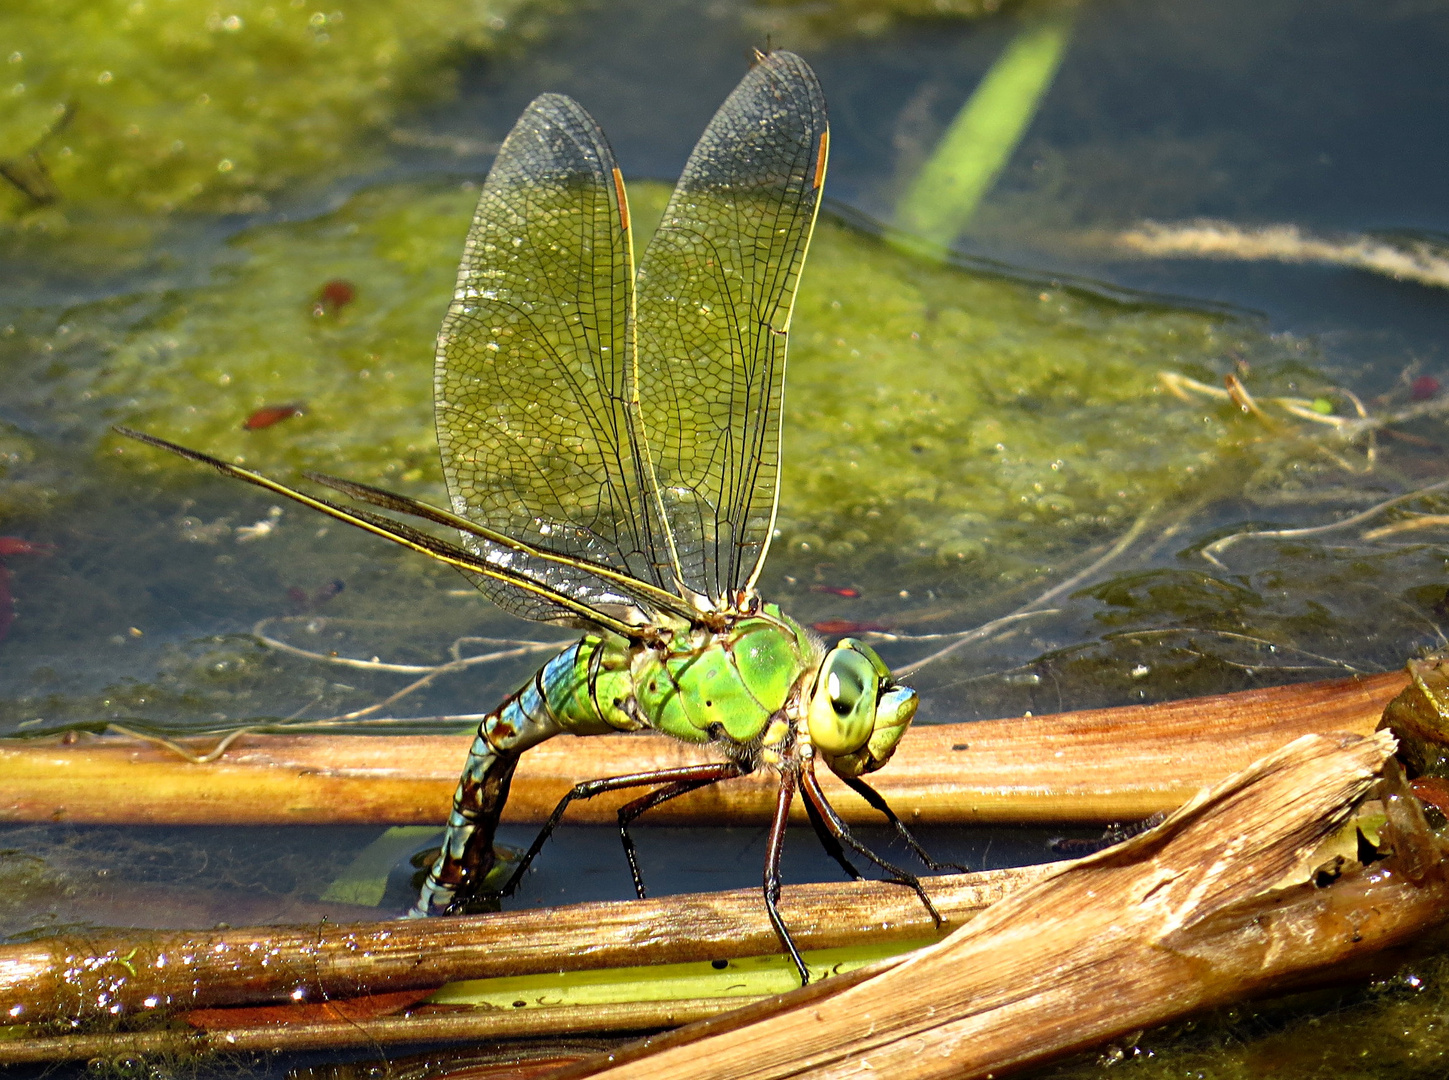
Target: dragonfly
611 443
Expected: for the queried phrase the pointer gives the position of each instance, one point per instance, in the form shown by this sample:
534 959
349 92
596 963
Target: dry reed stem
1192 914
384 1031
1099 765
1219 902
128 972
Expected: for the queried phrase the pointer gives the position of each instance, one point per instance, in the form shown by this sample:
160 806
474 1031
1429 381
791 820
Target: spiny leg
587 790
773 851
811 788
877 802
707 775
829 843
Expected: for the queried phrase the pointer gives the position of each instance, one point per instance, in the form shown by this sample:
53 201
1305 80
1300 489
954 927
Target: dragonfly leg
708 774
773 851
589 788
810 786
829 843
877 801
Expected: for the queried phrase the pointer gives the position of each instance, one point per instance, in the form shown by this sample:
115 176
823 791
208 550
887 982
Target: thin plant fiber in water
1404 260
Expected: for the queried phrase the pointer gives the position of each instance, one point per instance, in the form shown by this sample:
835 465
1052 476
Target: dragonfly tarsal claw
915 884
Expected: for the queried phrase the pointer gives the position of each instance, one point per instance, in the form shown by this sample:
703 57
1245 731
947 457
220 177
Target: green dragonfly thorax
762 686
727 682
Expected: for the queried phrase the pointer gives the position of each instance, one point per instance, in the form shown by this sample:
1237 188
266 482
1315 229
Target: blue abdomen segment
583 690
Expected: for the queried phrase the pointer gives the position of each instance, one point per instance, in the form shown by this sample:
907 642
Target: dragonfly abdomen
584 690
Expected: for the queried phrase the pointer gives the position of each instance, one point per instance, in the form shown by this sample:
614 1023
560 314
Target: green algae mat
161 105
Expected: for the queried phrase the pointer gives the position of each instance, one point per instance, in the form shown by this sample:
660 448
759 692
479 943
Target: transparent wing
716 287
405 535
531 381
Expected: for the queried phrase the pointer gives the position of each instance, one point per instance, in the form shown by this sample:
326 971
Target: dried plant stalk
1099 765
1218 902
455 1027
128 972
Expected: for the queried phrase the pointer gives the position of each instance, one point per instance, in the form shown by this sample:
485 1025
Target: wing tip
789 75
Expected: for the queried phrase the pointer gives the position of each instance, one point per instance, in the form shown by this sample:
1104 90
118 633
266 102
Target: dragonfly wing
480 570
531 383
716 288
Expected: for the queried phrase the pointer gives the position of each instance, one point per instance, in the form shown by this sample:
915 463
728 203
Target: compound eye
842 712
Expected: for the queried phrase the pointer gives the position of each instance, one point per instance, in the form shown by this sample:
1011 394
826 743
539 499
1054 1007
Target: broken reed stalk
1099 765
341 1033
128 972
1218 902
521 1060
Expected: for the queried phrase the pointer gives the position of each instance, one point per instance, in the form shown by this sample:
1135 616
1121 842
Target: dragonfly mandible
611 441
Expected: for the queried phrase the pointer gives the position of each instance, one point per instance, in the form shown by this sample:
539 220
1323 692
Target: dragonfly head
856 713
